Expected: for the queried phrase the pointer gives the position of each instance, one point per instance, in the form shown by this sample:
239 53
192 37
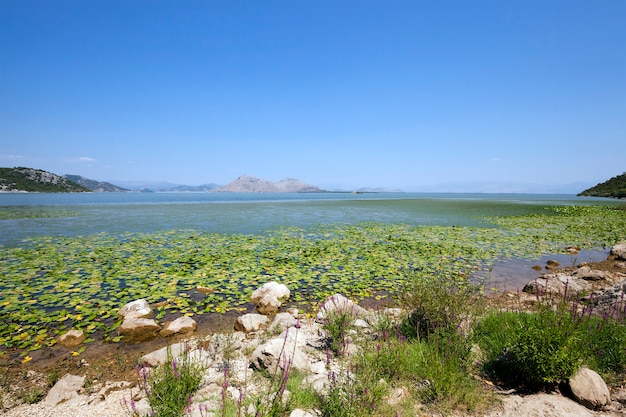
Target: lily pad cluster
49 285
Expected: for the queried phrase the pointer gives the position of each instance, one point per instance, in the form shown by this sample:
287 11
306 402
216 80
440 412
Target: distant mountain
95 186
147 185
614 188
193 188
248 184
379 190
20 179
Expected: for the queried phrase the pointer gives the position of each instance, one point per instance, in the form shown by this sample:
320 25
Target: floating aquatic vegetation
52 284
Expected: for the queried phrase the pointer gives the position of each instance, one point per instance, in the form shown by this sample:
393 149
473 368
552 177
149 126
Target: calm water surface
249 213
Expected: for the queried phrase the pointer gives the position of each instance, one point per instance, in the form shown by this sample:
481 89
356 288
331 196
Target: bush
547 346
169 387
437 301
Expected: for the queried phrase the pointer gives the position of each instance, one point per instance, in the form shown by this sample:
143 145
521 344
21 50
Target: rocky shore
266 340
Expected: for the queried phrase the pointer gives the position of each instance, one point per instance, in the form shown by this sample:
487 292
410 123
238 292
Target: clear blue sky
503 95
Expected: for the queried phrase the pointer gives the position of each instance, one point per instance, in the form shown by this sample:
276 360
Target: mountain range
22 179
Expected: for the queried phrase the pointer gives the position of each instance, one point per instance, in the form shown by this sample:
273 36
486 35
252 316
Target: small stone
552 264
72 338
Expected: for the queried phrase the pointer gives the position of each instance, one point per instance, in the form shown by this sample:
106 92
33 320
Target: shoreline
116 361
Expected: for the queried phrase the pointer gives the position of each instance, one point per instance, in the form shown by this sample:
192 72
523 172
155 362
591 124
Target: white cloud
12 157
86 159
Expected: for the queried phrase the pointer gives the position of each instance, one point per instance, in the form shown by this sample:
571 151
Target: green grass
544 347
169 387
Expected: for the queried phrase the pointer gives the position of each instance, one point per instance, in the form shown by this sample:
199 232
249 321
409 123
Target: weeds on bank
169 387
546 346
428 359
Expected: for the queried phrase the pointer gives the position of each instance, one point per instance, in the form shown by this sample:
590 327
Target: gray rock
557 283
552 264
137 329
339 304
282 321
540 405
65 390
159 357
71 339
251 322
589 274
280 352
619 251
136 309
589 389
180 325
269 297
302 413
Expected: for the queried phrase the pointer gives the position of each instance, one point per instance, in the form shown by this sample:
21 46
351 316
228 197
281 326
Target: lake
80 214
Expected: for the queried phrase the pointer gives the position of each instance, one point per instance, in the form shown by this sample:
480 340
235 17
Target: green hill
93 185
614 188
22 179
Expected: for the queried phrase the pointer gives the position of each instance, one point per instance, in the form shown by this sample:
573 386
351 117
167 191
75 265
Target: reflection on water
513 274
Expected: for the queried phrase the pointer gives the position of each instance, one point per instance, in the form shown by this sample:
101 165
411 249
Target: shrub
437 301
169 387
547 346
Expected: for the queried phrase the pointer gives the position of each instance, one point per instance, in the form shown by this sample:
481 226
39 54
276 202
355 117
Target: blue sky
468 95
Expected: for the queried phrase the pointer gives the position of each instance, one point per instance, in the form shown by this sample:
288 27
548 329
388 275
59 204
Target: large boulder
588 274
251 322
282 321
283 351
180 325
540 405
619 251
138 329
557 284
339 304
65 390
136 309
589 389
160 356
269 297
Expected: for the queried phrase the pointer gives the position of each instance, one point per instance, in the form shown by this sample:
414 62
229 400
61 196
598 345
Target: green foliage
169 387
337 324
547 346
437 302
33 396
442 365
36 180
614 187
